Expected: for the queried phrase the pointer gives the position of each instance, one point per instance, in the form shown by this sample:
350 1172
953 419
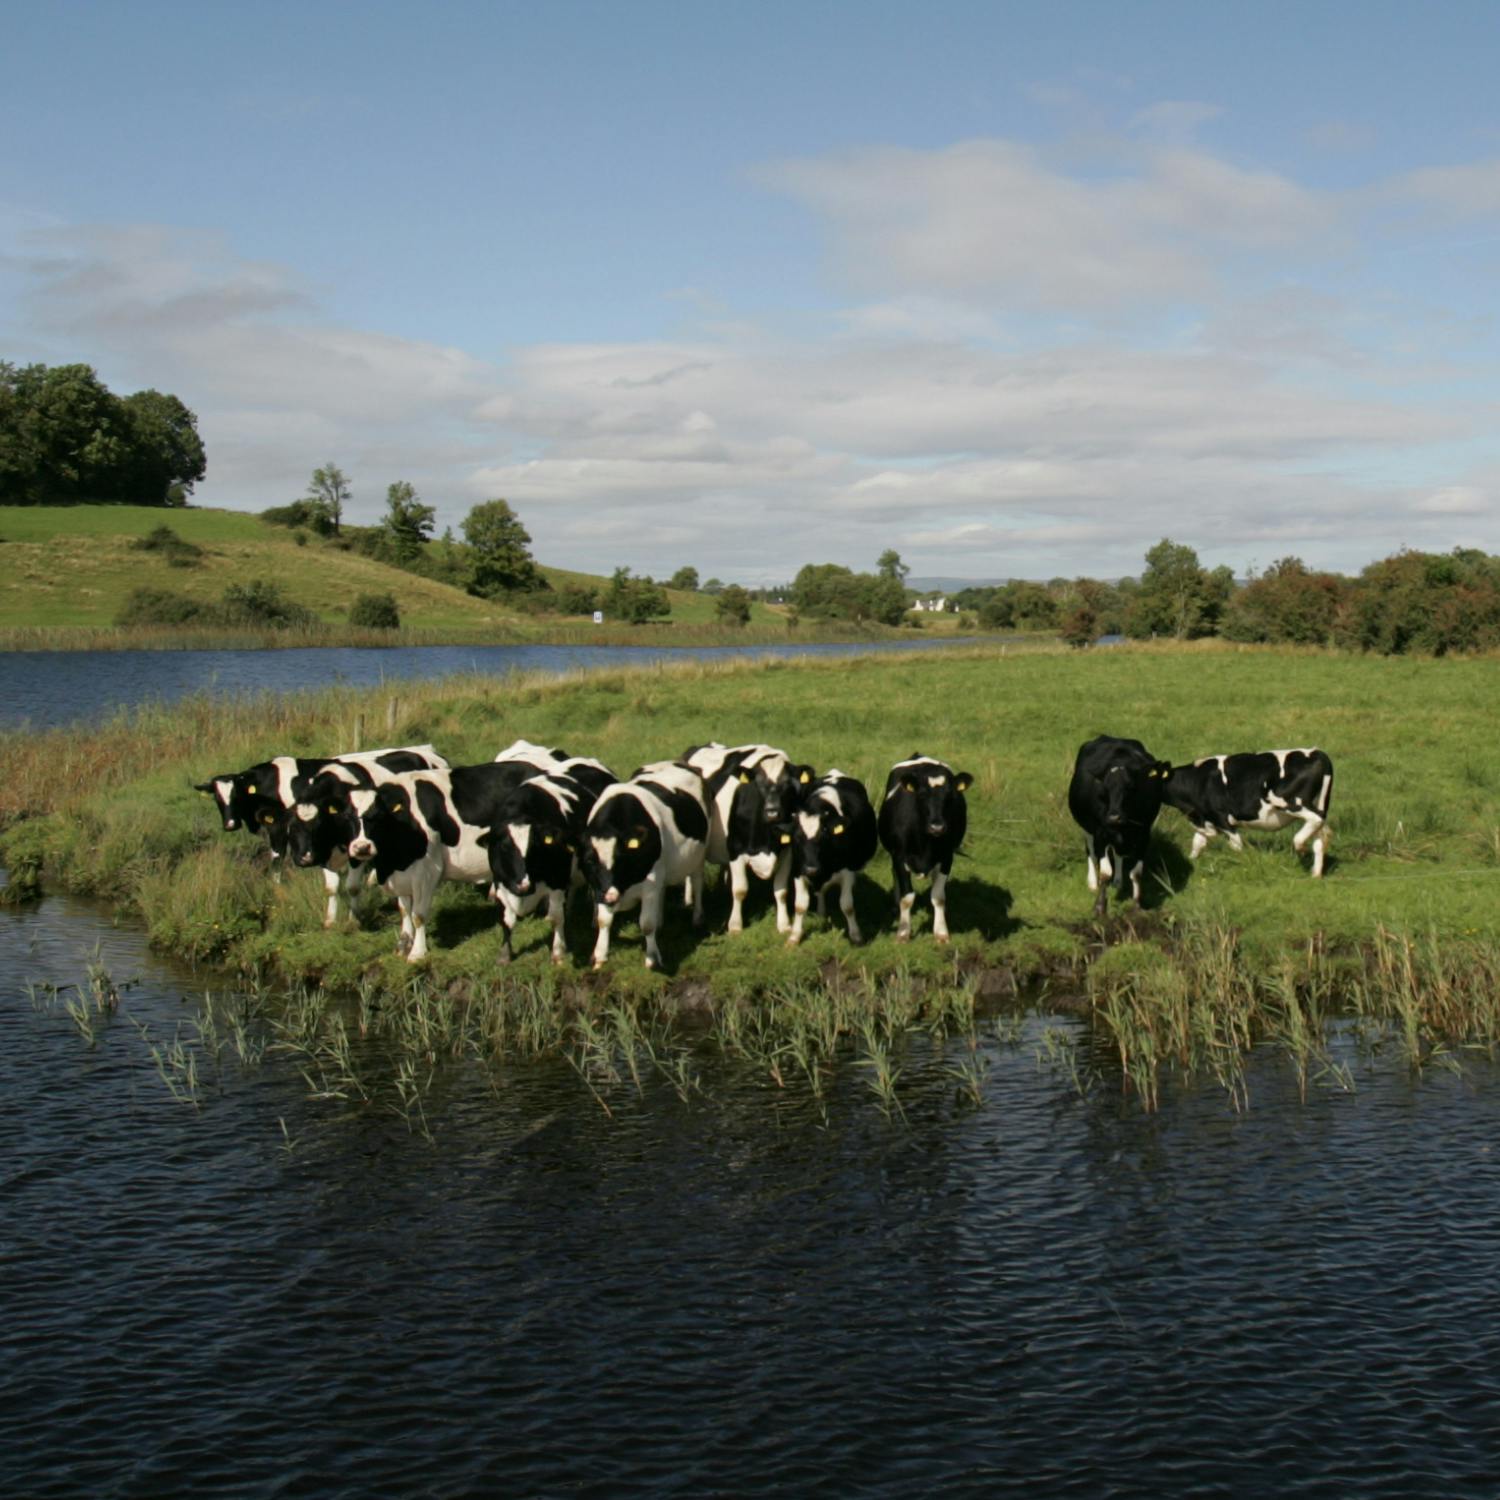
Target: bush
260 602
577 601
299 513
375 612
162 607
178 551
733 606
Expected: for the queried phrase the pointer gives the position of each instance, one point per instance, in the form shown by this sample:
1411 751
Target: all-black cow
1114 796
754 792
923 819
833 838
644 835
1260 789
533 849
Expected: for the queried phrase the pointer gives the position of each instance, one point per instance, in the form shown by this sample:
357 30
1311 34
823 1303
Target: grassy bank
1234 949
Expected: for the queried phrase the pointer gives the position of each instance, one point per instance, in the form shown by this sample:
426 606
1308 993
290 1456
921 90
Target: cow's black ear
483 841
206 787
963 781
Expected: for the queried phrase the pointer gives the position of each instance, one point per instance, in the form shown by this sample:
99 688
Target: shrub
375 612
733 606
178 551
161 607
261 602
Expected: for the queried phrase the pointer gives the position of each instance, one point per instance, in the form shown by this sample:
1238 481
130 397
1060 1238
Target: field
68 569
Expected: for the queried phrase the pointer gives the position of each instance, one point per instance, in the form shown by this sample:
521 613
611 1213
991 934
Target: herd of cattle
535 822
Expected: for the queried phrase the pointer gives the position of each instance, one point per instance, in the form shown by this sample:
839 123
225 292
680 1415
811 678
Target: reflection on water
1048 1294
46 688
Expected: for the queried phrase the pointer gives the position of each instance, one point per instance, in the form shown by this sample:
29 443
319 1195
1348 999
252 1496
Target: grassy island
1230 951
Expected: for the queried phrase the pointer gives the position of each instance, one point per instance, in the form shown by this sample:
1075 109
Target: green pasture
1415 810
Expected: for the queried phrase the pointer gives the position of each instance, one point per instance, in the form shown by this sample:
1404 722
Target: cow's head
820 836
780 785
246 799
1132 793
381 815
322 822
525 855
937 793
620 849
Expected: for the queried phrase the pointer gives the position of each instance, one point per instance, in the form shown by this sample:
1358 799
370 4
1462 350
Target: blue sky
1017 289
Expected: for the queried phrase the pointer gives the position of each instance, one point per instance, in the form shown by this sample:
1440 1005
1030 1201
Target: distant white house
930 606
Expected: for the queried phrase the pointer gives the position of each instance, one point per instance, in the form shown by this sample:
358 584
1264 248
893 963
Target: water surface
48 688
1050 1294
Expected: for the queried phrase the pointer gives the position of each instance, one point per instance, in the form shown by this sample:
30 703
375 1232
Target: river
44 689
1048 1294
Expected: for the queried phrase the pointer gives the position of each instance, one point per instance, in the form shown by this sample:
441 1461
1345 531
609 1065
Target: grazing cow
533 851
923 819
422 828
644 835
833 838
753 795
258 799
1265 789
1114 796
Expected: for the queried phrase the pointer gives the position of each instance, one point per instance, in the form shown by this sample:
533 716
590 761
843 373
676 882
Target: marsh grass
1235 952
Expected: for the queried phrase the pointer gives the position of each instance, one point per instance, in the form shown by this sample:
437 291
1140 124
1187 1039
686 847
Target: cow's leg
905 897
1202 833
1099 870
1314 828
780 880
801 900
940 905
1235 841
693 895
331 880
845 882
405 935
651 906
424 887
604 917
1137 869
507 926
557 905
739 886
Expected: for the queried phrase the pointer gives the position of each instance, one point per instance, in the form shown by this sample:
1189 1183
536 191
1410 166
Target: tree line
67 439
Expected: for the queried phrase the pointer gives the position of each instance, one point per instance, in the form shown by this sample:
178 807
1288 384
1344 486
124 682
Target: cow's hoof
558 961
940 937
903 937
792 940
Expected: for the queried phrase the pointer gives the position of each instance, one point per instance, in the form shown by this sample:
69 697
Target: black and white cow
1255 789
644 835
754 792
422 828
834 837
533 851
1114 796
923 819
259 798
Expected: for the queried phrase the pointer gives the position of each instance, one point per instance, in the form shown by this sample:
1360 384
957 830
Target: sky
1017 289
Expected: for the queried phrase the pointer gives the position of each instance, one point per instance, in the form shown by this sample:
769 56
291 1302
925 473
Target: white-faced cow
1262 789
644 835
833 838
533 850
754 792
421 829
259 798
923 819
1114 796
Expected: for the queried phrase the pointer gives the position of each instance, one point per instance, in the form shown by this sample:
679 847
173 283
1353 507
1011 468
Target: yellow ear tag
908 786
838 827
268 817
632 843
399 807
744 779
546 838
250 790
333 811
786 838
804 778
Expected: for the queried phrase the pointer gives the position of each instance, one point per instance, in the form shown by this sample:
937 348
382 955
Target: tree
502 551
328 492
637 600
713 586
1176 597
375 612
685 579
889 565
408 522
165 458
733 606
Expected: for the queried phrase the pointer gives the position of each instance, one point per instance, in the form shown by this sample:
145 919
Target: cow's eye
838 827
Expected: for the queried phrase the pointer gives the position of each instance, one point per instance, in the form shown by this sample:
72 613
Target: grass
1235 950
69 569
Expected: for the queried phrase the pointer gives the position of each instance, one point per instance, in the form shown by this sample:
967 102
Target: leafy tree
408 523
733 606
327 494
831 591
1287 603
889 565
713 586
1176 597
501 551
165 457
685 579
637 600
1081 627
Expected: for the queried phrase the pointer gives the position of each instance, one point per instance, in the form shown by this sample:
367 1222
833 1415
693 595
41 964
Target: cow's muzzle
361 849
